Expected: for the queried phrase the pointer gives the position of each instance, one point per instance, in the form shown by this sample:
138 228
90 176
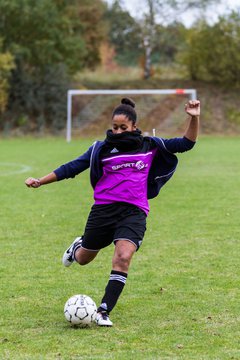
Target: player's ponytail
128 101
126 108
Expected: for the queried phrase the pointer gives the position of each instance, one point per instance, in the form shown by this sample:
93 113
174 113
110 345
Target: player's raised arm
192 108
35 183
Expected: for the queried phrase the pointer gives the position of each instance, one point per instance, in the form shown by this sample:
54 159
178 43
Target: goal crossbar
192 93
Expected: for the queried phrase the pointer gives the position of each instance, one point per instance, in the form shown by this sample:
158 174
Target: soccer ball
80 310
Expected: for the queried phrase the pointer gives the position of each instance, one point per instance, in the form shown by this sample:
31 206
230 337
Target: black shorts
109 223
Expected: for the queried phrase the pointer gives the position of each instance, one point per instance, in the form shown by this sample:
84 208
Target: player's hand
32 182
192 108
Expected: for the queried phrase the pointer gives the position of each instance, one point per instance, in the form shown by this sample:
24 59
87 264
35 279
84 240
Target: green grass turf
181 300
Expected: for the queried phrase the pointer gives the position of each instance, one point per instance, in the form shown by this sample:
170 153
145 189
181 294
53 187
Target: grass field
181 300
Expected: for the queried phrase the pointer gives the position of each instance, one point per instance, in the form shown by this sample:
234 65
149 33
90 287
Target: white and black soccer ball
80 310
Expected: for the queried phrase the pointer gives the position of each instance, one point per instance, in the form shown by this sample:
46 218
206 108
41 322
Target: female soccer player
126 169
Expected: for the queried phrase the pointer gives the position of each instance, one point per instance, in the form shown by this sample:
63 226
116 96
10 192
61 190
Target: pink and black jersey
124 179
130 177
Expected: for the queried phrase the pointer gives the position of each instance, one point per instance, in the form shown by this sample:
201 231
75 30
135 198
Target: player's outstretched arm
35 183
192 108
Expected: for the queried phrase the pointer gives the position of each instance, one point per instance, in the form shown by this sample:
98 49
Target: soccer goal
93 104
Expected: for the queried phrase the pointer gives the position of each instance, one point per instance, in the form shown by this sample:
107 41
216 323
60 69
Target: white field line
14 168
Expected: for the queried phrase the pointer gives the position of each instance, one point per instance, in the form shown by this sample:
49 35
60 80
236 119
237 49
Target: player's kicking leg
68 256
77 253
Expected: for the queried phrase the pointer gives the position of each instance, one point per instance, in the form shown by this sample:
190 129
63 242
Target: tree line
44 43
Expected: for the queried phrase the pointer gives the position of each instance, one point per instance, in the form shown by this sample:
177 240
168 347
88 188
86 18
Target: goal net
89 112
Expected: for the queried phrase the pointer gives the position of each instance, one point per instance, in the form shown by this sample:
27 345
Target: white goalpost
192 93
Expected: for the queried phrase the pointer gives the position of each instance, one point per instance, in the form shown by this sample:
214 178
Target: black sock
113 290
76 247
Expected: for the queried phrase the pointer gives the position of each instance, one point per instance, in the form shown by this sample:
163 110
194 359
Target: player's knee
121 260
